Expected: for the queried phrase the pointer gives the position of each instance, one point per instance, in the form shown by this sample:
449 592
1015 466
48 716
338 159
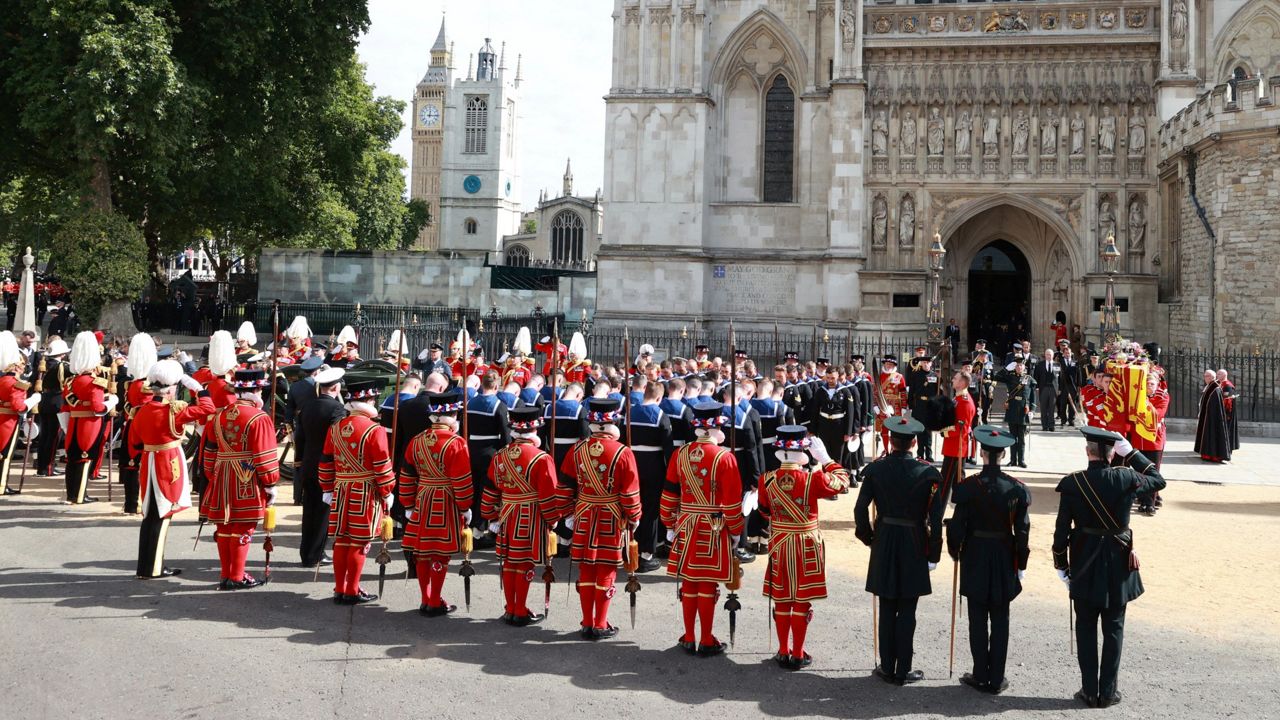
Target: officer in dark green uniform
1093 553
1017 408
905 540
988 536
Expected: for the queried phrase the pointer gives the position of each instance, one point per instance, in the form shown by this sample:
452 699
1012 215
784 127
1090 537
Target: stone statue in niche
879 221
964 129
1106 220
1137 226
1077 134
880 135
1107 132
1021 132
907 222
908 136
1137 132
935 132
991 134
849 25
1049 134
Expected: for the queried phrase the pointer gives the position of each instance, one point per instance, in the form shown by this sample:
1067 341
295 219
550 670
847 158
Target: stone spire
442 42
568 177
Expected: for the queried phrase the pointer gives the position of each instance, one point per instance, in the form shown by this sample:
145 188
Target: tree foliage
101 258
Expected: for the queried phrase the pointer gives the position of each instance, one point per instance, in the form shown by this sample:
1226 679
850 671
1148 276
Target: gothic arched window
518 256
477 124
470 226
566 238
779 141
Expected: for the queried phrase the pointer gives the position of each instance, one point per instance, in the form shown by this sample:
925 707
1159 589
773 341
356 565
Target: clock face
508 189
429 115
471 184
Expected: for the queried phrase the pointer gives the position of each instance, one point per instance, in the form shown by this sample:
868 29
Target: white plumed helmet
222 353
142 356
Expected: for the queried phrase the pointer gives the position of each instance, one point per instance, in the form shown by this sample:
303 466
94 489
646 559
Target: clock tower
428 137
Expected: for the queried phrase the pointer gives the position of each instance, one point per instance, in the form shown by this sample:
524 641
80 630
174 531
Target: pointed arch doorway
999 282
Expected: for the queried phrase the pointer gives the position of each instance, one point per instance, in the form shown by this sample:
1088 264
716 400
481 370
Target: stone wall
1229 294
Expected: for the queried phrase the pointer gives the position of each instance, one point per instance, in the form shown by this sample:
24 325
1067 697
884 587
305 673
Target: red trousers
792 620
516 579
348 564
595 591
432 570
698 600
234 540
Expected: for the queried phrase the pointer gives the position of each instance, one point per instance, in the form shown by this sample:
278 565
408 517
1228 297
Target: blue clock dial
471 184
508 189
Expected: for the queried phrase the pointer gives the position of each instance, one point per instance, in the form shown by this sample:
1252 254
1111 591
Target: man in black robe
1213 442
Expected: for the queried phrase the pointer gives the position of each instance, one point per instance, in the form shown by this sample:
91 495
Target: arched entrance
999 294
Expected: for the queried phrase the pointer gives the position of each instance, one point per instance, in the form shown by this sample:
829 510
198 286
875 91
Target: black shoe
586 632
1106 702
10 491
1088 700
914 676
997 689
436 610
712 650
687 645
970 462
484 542
880 673
562 550
648 565
222 584
362 597
743 555
339 598
604 633
169 572
325 561
971 681
246 583
783 660
526 620
799 663
1022 464
87 499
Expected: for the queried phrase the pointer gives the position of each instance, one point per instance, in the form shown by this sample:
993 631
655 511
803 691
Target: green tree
101 259
416 216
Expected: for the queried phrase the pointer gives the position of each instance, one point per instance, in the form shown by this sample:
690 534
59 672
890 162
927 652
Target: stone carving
991 135
964 128
1108 89
1107 132
880 135
1059 274
633 16
1106 219
1048 21
907 222
1021 132
909 90
1078 91
660 16
908 135
936 91
879 221
965 23
1137 225
849 25
937 23
1077 134
1078 20
1050 92
1139 88
992 88
883 24
1005 22
1049 134
763 55
1020 89
964 85
880 90
1137 132
1106 19
688 14
1178 21
935 132
1136 19
910 24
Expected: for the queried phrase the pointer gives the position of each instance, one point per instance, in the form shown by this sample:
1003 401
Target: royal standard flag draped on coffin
1127 396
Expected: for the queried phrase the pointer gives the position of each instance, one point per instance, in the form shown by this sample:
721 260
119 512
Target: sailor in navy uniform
570 426
649 433
677 412
832 414
745 441
487 432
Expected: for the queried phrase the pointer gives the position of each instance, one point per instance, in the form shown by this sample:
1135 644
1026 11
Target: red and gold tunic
518 373
955 439
525 498
239 459
220 391
13 402
435 484
155 437
576 371
135 396
797 569
84 397
608 497
549 349
356 467
702 504
299 350
892 393
1159 407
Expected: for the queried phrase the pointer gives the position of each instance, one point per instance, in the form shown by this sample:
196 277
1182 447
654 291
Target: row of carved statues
988 131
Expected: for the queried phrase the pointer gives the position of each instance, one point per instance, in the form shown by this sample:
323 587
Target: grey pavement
82 638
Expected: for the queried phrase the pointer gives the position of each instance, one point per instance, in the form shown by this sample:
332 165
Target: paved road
82 638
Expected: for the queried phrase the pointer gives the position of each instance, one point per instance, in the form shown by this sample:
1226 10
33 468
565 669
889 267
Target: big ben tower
428 137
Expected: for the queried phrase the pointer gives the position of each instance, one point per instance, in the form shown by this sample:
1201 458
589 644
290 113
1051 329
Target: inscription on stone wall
741 287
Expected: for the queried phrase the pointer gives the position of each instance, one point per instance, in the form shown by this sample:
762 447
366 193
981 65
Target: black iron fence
325 319
1256 377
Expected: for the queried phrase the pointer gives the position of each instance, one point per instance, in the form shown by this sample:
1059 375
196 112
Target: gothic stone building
794 158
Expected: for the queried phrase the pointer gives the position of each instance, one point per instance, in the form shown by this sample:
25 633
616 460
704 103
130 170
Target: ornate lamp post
1110 314
937 253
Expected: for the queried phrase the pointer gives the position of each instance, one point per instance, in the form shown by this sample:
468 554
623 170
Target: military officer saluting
1094 556
988 536
905 540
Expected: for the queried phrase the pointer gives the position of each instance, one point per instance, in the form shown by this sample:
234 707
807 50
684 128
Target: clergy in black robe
1213 442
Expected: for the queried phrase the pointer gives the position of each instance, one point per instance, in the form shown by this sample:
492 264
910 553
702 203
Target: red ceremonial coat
702 504
797 568
298 351
13 402
85 399
576 371
155 437
518 374
356 467
220 390
1159 406
435 484
955 440
135 396
560 350
892 392
239 459
525 498
608 497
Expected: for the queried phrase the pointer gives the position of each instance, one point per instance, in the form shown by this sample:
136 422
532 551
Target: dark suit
1048 380
988 535
314 420
905 538
1093 541
1017 409
651 443
922 385
1068 390
300 393
487 432
50 405
833 415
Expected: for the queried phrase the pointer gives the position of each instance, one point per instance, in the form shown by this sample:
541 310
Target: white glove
1124 448
184 357
671 536
569 522
818 450
495 527
466 518
1062 575
271 494
327 498
33 400
110 402
750 501
387 502
734 539
1022 574
410 515
933 566
191 384
1011 366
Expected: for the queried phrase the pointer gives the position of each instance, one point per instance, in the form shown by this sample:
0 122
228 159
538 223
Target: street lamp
1110 314
937 253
